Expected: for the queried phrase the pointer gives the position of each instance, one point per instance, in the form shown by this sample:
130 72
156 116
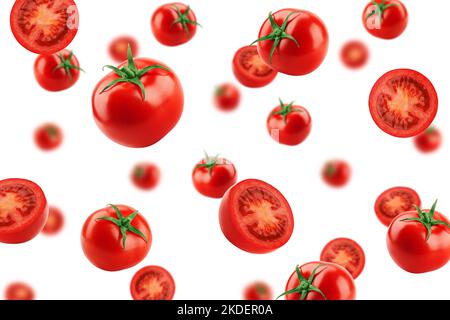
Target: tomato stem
210 162
66 64
379 9
305 285
286 109
184 19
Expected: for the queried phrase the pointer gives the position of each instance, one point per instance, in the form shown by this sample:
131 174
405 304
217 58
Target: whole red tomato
174 24
289 124
336 173
419 241
118 48
293 41
213 176
48 137
227 97
145 176
138 103
116 238
320 281
258 291
385 19
428 141
354 54
55 221
19 291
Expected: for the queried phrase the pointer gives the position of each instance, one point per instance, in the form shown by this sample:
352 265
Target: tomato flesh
395 201
152 283
347 253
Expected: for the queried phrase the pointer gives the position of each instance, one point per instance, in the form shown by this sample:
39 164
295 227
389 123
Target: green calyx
278 33
286 109
305 285
430 130
139 172
379 9
52 131
66 64
209 162
184 19
124 224
131 74
427 219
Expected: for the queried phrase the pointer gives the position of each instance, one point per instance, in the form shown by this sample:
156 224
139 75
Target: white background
90 171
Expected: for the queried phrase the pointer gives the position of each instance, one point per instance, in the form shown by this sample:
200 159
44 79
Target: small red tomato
250 70
428 141
152 283
346 253
19 291
118 48
289 124
116 238
145 176
213 176
419 241
385 19
258 291
48 137
320 281
354 54
227 97
55 222
174 24
336 173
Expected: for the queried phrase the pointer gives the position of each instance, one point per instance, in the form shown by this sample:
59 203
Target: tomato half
250 70
146 176
385 19
354 54
227 97
347 253
403 103
55 222
119 46
336 173
23 210
395 201
48 136
258 291
255 217
152 283
44 26
428 141
19 291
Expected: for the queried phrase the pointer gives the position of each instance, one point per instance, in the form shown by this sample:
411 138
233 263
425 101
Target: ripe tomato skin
48 137
123 115
55 222
250 70
354 54
162 278
428 141
227 97
290 58
169 33
19 291
394 20
258 291
31 196
146 176
102 244
346 253
119 46
336 173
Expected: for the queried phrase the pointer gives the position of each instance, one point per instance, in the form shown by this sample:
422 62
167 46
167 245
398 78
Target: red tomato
116 238
119 46
395 201
336 173
385 19
419 241
258 291
145 176
320 281
403 103
139 103
289 124
250 70
174 24
227 97
354 54
346 253
19 291
293 41
213 176
428 141
23 210
48 137
44 26
255 217
152 283
55 222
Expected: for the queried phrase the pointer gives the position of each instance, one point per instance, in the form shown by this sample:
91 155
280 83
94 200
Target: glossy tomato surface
55 222
48 137
386 19
354 54
146 175
428 141
336 173
152 283
227 97
258 291
19 291
119 46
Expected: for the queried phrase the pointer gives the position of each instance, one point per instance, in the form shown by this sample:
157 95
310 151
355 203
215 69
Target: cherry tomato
116 238
354 54
346 253
152 283
250 70
336 173
145 176
227 97
44 26
119 46
174 24
320 281
258 291
138 103
19 291
48 137
385 19
23 210
213 176
428 141
289 124
255 217
293 41
395 201
403 103
55 222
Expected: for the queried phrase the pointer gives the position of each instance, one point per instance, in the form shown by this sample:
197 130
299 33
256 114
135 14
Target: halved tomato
403 103
395 201
44 26
255 217
152 283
